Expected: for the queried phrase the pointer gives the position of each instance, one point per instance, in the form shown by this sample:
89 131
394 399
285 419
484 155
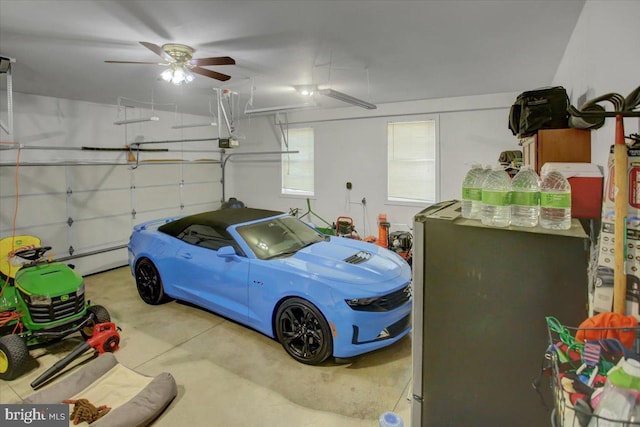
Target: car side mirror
227 252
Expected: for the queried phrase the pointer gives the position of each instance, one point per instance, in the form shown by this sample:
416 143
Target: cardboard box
603 280
586 187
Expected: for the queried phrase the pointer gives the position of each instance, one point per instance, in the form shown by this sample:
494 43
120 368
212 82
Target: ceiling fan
179 58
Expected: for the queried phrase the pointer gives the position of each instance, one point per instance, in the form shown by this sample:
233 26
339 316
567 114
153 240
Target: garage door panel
198 193
157 198
100 262
89 235
151 175
99 177
41 209
201 172
100 203
32 180
156 215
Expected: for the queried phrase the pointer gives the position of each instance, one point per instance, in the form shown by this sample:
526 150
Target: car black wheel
14 356
303 331
149 283
98 314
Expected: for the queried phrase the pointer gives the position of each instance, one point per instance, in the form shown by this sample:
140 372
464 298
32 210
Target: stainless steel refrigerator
481 296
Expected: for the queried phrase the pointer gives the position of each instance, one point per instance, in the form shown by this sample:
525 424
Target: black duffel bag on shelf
544 108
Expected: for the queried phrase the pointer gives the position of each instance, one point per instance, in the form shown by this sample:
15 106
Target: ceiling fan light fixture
179 76
167 75
181 63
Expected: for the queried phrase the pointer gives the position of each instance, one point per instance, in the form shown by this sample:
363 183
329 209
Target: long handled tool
621 186
105 338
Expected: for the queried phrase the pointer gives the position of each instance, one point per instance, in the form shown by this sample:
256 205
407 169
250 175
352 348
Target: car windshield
279 237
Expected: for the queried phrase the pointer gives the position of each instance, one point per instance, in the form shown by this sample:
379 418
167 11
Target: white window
411 172
298 168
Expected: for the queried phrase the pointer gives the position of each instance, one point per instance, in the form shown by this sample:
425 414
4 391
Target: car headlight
40 300
80 290
359 302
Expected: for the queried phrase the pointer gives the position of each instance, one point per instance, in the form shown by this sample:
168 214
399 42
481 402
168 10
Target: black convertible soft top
219 220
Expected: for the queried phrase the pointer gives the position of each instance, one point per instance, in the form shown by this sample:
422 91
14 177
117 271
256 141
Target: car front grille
388 302
392 331
400 326
61 307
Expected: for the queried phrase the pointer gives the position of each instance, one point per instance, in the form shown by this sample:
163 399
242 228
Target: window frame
398 201
285 147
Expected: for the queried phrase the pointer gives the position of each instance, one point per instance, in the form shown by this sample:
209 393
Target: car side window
206 237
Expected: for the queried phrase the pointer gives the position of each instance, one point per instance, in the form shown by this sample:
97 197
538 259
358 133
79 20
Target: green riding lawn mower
41 301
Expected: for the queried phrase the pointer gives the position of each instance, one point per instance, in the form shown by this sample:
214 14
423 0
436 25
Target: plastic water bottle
496 209
555 201
472 192
616 405
476 205
525 197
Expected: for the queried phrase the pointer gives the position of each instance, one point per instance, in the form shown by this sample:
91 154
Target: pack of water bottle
490 195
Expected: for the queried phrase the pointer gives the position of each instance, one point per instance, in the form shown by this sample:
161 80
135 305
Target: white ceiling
377 50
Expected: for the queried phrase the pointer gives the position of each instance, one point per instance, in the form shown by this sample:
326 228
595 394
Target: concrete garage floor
228 374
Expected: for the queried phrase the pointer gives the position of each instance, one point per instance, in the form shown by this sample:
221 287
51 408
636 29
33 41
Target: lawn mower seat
135 399
8 246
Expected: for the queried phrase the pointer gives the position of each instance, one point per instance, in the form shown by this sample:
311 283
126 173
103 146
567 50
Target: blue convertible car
319 295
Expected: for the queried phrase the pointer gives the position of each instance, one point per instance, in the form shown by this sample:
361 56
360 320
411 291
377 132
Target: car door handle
186 255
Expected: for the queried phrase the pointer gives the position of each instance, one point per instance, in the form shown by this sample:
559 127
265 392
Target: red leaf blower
105 338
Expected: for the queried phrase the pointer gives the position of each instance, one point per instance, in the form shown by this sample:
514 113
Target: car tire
99 314
14 357
149 283
303 331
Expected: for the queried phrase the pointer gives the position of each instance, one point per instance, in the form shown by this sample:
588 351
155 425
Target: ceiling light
347 98
194 125
140 120
167 75
306 90
177 73
276 109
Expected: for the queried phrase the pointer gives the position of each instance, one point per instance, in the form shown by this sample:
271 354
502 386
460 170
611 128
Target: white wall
603 56
351 146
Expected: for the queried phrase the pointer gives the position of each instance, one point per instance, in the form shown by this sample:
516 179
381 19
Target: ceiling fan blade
209 73
158 51
220 60
133 62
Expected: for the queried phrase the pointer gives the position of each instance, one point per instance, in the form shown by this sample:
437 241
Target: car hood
348 261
